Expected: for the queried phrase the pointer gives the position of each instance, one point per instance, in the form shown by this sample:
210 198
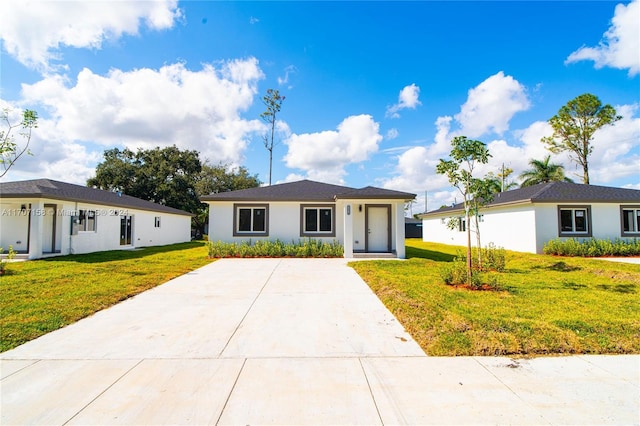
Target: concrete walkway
289 341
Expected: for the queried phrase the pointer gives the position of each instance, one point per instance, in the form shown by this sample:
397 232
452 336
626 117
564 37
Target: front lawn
546 305
40 296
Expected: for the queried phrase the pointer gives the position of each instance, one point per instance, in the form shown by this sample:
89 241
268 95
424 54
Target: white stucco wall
525 227
284 222
13 228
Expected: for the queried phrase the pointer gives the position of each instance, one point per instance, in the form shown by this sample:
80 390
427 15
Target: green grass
547 305
43 295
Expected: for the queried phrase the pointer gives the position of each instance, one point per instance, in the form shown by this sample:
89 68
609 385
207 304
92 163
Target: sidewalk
289 341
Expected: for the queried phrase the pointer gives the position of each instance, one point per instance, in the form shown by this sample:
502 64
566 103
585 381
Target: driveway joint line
250 307
235 382
373 398
103 392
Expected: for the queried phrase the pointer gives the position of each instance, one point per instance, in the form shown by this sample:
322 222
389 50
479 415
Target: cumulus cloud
33 32
324 155
620 44
491 105
145 108
407 99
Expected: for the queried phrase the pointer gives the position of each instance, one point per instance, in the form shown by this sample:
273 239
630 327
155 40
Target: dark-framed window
574 221
630 221
317 220
250 220
157 222
87 221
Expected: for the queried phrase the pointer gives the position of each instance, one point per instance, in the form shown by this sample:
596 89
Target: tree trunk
468 223
585 173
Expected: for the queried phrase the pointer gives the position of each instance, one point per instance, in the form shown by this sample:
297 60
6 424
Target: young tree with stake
465 155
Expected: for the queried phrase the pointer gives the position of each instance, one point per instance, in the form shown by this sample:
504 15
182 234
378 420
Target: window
317 220
574 221
87 221
462 224
157 222
630 221
251 219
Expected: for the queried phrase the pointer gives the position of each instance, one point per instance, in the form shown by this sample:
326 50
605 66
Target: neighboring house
525 219
44 217
365 221
412 228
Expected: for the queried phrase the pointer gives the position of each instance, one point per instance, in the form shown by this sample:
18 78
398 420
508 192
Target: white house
525 219
365 221
44 217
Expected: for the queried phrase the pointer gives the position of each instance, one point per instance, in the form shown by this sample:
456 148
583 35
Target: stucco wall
13 228
525 228
284 222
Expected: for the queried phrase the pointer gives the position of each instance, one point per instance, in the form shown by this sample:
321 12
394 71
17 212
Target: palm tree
543 172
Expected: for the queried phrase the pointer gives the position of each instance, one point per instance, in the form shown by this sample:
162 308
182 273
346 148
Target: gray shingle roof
307 190
47 188
557 192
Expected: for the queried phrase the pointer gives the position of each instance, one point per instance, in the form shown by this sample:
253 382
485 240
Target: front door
378 226
49 228
125 230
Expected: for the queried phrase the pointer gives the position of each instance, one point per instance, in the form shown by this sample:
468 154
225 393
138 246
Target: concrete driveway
289 341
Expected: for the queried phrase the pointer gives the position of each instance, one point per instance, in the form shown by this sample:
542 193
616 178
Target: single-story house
367 221
525 219
412 228
45 217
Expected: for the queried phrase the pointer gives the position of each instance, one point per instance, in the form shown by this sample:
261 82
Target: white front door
378 229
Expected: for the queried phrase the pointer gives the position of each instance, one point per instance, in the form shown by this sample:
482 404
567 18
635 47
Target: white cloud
324 155
287 73
491 105
620 45
145 108
407 99
34 31
392 134
618 144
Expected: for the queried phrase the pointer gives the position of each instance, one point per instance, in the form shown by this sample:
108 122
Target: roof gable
306 190
47 188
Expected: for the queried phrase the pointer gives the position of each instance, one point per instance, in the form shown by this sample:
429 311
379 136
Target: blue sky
375 91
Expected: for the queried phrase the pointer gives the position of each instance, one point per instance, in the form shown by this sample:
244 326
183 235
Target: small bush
493 258
592 247
277 248
10 255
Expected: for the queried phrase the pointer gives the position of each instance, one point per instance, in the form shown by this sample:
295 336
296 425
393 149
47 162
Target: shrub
592 247
10 255
277 248
493 258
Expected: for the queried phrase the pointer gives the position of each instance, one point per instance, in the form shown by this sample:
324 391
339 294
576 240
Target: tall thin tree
574 127
273 101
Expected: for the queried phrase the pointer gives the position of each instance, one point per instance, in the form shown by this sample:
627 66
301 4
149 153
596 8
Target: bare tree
273 102
10 150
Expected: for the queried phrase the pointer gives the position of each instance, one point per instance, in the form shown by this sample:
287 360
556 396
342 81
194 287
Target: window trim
304 233
83 221
252 206
635 208
587 233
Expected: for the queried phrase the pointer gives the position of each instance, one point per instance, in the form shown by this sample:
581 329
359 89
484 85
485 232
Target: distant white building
525 219
44 217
